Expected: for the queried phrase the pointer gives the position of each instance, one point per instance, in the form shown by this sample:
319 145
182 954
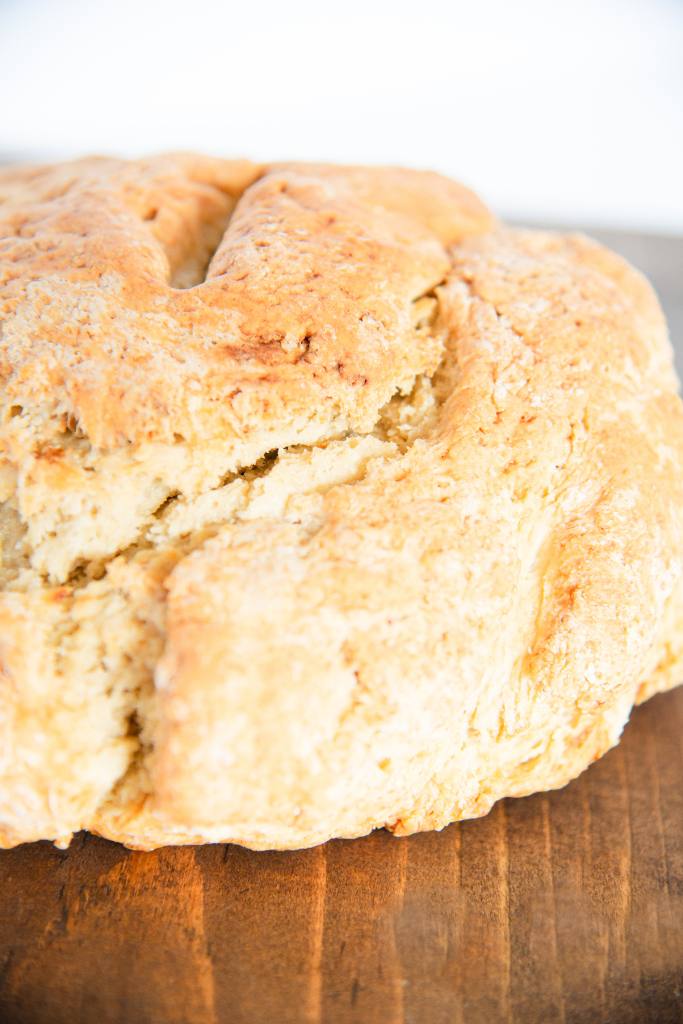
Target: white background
568 112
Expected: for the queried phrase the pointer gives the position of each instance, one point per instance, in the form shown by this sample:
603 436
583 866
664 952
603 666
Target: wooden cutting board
563 907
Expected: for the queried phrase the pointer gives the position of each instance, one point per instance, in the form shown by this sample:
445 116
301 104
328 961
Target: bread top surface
317 479
184 316
182 299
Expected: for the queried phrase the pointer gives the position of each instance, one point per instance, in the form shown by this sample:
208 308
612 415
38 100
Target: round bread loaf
327 502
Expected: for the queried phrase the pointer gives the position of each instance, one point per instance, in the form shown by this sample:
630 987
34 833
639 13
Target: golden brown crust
453 577
101 335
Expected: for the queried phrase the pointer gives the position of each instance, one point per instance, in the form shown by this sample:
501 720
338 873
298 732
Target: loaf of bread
328 503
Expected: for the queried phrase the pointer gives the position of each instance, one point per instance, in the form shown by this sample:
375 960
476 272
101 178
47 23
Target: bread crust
329 503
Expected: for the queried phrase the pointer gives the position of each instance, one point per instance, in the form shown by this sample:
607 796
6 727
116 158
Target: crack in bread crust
328 505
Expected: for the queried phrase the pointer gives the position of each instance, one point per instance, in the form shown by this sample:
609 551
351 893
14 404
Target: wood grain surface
563 907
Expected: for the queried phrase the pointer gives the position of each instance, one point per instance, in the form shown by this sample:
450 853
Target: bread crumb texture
328 503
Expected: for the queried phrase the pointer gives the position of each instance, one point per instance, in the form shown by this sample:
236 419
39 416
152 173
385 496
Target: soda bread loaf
327 503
